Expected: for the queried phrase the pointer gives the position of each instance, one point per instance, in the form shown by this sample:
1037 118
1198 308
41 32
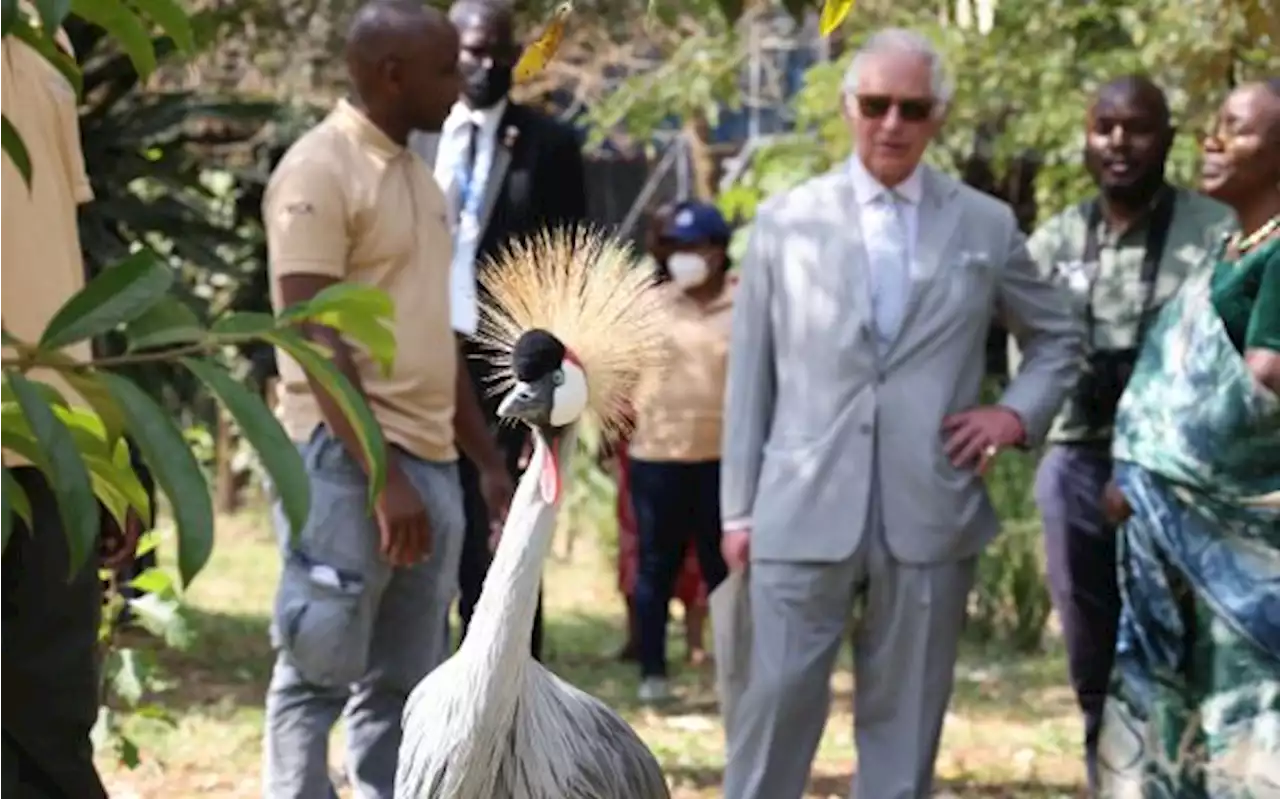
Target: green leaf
119 294
172 19
153 581
51 395
91 390
161 615
21 441
243 325
175 470
343 297
52 12
127 751
65 470
354 408
128 675
55 55
15 502
121 24
109 487
363 314
279 455
167 323
147 542
10 13
16 150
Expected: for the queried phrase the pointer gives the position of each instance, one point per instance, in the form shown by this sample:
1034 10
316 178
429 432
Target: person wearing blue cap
673 457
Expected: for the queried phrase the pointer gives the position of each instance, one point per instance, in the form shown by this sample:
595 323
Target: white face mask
688 269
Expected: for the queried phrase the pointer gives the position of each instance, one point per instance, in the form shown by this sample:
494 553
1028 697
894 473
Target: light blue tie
890 269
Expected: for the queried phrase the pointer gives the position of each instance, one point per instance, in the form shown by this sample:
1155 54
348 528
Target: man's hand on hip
735 546
974 437
403 528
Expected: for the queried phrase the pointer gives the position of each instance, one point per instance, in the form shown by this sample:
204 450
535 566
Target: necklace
1242 244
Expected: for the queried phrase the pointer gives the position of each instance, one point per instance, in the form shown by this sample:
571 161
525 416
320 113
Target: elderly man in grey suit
853 442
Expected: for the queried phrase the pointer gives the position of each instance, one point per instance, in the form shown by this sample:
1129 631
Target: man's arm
307 247
1049 335
1042 246
469 425
750 387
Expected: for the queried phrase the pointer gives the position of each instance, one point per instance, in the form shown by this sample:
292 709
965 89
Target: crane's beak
529 403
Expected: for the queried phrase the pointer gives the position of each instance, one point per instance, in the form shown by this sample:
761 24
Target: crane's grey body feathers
492 723
562 743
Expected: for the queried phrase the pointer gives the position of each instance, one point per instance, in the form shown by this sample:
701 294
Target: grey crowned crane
573 326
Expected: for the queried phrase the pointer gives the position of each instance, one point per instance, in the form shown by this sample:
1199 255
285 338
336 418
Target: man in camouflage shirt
1120 255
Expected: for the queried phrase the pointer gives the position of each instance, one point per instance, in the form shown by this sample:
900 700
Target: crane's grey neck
501 629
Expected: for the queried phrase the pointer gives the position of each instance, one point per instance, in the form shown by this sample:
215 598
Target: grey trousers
905 644
351 633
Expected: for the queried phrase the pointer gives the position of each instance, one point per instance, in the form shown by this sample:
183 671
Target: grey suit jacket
811 410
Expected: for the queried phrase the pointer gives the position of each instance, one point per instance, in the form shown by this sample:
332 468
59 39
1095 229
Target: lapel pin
509 136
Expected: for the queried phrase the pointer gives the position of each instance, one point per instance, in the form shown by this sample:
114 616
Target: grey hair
901 41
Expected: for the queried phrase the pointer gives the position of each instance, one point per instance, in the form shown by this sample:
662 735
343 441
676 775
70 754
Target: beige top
682 415
349 203
41 245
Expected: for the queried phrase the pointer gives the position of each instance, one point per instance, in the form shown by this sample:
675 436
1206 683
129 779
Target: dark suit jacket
537 181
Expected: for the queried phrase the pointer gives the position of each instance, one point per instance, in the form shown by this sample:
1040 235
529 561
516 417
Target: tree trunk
696 133
226 490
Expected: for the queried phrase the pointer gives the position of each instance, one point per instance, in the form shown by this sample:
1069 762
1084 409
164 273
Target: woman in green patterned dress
1194 710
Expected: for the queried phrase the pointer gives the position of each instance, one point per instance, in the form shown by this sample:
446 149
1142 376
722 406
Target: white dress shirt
889 220
867 190
467 210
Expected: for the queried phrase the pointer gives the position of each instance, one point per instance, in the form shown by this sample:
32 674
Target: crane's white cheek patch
570 397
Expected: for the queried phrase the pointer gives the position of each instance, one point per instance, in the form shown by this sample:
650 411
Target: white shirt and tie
890 223
464 126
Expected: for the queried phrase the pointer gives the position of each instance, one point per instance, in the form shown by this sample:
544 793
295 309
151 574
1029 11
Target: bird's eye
557 377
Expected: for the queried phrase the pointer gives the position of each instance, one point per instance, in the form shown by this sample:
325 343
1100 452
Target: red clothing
690 588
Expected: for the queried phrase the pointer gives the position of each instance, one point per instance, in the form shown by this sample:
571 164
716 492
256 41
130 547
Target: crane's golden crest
585 288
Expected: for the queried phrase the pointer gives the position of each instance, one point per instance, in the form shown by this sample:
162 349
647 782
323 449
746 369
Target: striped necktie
890 270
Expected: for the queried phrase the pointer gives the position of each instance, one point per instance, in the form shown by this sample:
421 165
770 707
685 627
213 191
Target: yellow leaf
833 13
537 55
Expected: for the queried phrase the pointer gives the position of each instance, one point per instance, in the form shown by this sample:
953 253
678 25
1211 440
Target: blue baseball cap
692 222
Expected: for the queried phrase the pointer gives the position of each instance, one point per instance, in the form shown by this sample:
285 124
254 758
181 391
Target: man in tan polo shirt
50 681
674 452
361 611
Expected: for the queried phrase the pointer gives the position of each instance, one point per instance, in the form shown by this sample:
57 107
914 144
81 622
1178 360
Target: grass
1012 730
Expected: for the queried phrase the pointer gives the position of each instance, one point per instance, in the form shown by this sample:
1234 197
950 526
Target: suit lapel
507 135
852 257
937 220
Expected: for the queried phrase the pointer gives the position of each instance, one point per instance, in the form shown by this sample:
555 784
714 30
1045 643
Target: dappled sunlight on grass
1012 731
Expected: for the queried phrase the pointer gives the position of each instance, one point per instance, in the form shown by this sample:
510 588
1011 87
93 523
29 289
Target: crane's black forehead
536 355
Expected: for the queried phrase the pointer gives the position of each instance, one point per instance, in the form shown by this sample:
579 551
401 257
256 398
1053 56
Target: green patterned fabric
1194 710
1057 247
1247 296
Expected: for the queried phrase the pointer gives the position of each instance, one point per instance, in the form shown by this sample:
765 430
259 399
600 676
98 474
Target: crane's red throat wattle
549 480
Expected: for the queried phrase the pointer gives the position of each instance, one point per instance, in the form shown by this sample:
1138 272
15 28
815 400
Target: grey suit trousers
905 644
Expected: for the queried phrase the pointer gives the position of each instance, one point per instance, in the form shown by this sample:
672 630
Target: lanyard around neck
1157 236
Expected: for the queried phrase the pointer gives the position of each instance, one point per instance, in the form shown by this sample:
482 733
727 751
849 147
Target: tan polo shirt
349 203
41 257
682 414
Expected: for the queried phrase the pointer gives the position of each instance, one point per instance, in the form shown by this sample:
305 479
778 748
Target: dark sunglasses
877 106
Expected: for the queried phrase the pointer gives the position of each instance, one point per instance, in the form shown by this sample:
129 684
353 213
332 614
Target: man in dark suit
508 171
